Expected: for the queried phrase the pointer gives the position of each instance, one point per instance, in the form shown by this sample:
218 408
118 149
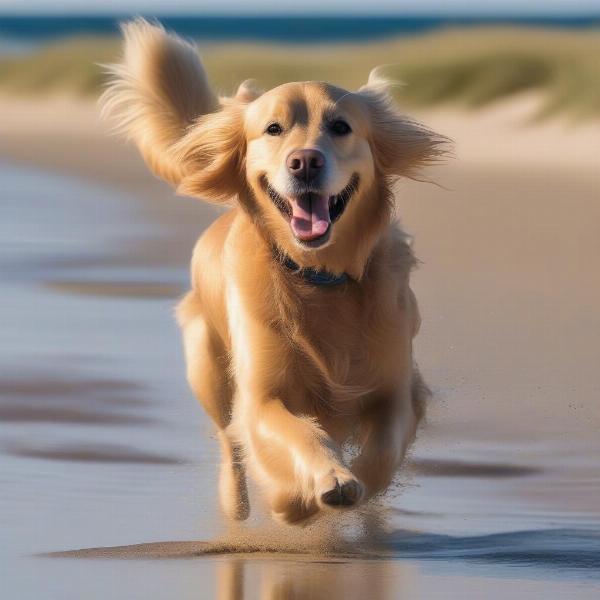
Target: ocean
27 29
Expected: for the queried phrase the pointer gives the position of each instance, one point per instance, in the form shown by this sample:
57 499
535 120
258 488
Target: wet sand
570 550
104 451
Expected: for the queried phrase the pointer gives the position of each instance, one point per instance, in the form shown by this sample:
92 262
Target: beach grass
469 67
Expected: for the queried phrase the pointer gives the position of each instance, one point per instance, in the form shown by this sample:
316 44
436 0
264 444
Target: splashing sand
356 534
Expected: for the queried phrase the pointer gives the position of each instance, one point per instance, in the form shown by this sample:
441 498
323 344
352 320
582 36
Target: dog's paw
292 510
339 489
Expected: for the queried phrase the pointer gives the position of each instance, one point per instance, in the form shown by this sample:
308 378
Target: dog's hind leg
386 432
233 491
207 374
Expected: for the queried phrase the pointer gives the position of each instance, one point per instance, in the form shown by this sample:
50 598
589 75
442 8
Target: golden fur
287 370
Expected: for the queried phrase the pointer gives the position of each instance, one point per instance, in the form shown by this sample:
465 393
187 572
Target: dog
299 324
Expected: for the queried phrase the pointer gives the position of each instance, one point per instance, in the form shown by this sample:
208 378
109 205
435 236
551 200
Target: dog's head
310 162
307 159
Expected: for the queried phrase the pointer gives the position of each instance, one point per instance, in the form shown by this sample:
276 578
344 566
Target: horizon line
293 14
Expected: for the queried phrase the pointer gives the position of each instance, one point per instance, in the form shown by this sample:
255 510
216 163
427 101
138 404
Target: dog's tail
157 91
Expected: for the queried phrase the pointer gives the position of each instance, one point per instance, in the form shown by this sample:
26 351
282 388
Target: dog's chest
354 330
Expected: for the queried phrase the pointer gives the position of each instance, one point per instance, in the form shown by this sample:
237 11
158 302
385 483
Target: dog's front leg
299 462
296 460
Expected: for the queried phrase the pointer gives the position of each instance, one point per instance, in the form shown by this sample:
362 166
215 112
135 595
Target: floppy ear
157 92
400 145
212 155
213 151
248 91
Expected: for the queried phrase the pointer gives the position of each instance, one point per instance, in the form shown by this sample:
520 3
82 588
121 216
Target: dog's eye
340 127
274 129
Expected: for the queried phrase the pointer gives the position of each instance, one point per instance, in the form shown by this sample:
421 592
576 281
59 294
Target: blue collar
311 275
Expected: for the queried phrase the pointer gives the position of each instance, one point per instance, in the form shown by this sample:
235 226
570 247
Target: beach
103 446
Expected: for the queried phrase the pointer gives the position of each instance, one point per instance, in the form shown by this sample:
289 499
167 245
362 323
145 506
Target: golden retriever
298 328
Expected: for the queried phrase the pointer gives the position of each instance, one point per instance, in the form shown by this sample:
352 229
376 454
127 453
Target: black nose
305 164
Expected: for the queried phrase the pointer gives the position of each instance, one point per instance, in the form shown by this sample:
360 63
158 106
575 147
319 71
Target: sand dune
502 134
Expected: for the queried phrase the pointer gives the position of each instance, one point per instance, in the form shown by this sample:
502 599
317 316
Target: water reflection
230 579
297 580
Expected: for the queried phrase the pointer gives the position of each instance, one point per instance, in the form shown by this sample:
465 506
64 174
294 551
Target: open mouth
311 213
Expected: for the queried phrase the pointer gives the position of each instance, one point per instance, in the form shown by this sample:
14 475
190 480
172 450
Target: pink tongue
310 216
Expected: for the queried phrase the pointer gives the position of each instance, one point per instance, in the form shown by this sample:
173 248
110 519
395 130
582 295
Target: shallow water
102 447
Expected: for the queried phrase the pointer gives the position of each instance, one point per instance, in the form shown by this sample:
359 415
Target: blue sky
452 7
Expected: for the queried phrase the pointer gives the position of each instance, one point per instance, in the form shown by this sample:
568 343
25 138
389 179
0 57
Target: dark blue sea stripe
271 28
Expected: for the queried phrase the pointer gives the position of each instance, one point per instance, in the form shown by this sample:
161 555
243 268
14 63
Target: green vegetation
470 67
67 66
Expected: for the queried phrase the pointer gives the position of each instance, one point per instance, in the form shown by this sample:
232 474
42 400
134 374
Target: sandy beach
508 235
